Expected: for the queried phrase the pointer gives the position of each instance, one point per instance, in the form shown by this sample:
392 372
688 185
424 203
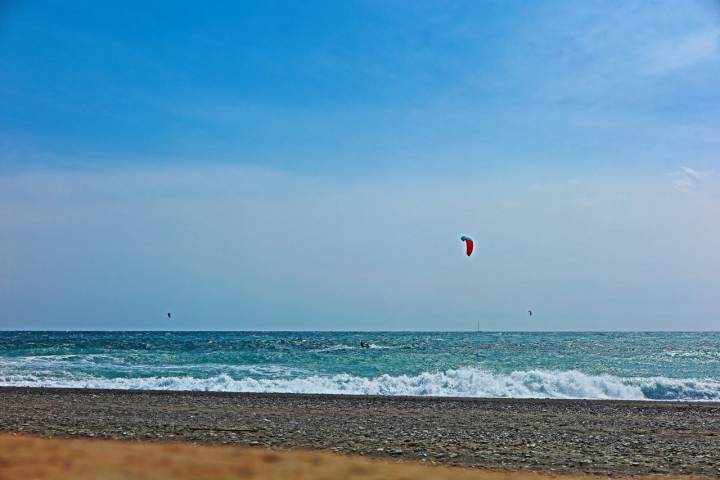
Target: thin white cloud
687 179
692 49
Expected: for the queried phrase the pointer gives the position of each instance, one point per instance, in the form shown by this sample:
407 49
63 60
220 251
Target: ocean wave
133 365
462 382
333 348
338 348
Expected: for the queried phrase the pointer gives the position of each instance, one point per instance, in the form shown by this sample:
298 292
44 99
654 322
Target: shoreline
409 398
608 437
140 391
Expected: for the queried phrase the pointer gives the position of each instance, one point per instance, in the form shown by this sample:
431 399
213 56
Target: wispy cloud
687 179
692 49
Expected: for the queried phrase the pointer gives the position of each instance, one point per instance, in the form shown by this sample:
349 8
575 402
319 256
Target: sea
587 365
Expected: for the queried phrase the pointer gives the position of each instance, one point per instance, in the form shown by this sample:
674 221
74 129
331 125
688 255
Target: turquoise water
657 366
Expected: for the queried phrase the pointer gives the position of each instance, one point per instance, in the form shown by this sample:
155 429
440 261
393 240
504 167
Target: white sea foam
339 347
55 363
333 348
462 382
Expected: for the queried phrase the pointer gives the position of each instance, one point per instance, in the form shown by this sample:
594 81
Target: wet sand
553 436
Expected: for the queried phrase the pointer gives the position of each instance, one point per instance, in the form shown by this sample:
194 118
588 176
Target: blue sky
311 165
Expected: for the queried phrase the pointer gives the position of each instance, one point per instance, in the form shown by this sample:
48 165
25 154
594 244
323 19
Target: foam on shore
462 382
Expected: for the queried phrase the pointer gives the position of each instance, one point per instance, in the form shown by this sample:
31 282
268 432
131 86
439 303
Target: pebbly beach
616 438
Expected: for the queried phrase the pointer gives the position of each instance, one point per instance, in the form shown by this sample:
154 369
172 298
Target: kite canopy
469 245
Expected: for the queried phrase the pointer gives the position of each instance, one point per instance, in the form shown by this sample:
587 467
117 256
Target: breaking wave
462 382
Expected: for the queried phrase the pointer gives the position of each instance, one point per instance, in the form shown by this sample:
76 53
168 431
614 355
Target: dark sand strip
606 437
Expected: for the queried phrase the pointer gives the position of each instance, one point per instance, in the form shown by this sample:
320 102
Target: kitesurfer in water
364 344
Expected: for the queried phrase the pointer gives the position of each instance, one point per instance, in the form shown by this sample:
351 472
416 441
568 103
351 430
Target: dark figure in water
364 344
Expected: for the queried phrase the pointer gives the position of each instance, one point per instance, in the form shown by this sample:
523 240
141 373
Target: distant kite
169 315
530 312
469 245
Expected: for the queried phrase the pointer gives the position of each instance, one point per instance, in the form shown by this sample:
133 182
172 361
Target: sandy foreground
23 457
551 436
